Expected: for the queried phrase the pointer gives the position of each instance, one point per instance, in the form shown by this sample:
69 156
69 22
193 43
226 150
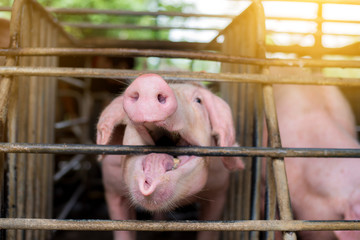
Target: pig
320 188
153 112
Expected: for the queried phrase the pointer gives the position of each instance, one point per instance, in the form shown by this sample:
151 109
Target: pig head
152 112
320 188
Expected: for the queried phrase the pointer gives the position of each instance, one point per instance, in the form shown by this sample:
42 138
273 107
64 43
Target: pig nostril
161 99
147 184
134 97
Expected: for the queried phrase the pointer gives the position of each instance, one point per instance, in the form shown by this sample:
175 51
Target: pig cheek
133 171
193 182
198 127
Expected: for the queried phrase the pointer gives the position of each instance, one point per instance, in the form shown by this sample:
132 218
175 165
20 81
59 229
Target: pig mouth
163 138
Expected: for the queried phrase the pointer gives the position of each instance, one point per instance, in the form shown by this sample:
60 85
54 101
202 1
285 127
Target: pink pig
152 112
320 188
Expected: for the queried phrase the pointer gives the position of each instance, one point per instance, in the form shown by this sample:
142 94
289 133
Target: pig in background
152 112
320 188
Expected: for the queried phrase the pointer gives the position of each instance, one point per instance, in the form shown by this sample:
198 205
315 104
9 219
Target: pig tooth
176 163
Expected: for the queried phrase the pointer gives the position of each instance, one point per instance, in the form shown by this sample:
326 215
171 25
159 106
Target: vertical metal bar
319 32
85 109
237 103
241 38
45 137
240 30
22 125
42 126
224 91
282 190
54 36
32 174
249 48
270 197
257 166
9 89
12 173
53 42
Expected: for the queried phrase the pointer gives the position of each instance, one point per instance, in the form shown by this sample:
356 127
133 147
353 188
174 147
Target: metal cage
29 92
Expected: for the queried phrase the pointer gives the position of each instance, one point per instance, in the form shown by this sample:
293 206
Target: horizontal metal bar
203 55
70 123
82 11
317 19
180 76
312 33
352 2
133 27
350 50
104 42
200 151
5 9
133 225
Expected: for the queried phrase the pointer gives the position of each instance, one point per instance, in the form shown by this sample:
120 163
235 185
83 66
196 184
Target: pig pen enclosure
54 86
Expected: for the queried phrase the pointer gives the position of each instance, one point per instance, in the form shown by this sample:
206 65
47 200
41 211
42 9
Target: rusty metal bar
43 126
8 121
256 187
270 197
144 44
200 151
183 76
32 186
314 33
133 27
133 13
350 50
352 2
133 225
318 19
196 55
281 183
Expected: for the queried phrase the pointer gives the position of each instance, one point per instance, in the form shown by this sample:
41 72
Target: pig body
152 112
320 188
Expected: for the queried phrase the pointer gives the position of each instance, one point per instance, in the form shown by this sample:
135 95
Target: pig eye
198 100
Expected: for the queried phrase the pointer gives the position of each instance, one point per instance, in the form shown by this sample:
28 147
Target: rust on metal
200 151
198 55
133 225
179 76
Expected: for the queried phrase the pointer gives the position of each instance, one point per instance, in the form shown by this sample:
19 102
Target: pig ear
222 126
111 124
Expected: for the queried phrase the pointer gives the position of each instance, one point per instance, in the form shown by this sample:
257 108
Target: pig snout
149 99
156 176
154 166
